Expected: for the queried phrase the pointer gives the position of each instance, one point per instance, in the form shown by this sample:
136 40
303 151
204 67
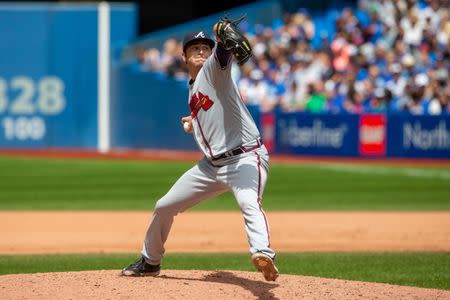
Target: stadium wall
49 96
365 135
146 110
49 71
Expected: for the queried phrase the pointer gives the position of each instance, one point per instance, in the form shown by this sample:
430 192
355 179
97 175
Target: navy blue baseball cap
195 36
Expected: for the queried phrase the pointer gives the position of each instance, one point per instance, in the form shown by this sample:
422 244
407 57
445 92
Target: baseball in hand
186 126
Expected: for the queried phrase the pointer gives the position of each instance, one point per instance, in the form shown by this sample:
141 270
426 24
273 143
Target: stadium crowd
385 56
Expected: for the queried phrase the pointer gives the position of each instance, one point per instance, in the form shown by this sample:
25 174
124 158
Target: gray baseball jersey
221 120
235 160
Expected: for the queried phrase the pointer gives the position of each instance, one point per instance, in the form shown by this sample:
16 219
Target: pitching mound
173 284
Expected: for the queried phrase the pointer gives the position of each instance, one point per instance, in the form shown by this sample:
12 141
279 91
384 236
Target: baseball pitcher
234 157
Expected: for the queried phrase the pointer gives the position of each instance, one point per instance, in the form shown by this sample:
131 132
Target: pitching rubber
265 265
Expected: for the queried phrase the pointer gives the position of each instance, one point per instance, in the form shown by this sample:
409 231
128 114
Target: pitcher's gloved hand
233 39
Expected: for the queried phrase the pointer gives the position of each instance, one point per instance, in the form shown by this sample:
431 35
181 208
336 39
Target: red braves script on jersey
199 101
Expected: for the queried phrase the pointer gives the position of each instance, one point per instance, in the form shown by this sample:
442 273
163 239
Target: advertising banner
372 135
267 130
317 134
419 136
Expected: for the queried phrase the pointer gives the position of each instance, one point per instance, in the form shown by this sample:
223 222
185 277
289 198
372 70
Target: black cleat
141 268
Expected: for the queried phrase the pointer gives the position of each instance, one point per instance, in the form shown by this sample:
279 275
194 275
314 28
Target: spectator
377 101
391 56
316 103
147 59
412 28
354 102
289 101
419 103
256 91
398 82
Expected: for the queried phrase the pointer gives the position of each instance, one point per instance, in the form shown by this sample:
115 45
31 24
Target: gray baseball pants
244 175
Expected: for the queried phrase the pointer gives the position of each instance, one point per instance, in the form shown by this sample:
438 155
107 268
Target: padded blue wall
48 72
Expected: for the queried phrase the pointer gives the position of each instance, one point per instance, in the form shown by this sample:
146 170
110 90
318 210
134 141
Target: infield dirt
61 232
81 232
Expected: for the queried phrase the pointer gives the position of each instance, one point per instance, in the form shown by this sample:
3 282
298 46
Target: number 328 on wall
48 92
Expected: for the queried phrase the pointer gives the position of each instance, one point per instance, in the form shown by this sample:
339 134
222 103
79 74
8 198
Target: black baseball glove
232 39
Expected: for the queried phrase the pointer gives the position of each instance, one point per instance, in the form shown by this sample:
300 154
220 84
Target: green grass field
53 184
43 184
415 269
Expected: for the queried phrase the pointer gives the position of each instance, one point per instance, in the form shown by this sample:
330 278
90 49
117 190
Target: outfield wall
146 110
52 88
366 135
49 70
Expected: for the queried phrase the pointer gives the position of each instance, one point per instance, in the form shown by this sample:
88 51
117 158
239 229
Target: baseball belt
239 150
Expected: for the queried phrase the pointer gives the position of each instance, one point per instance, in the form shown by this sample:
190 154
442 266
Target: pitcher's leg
195 185
247 183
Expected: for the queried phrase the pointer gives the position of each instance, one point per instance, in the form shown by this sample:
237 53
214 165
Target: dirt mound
174 284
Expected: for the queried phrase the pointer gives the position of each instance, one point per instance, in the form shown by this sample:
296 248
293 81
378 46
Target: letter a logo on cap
200 34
